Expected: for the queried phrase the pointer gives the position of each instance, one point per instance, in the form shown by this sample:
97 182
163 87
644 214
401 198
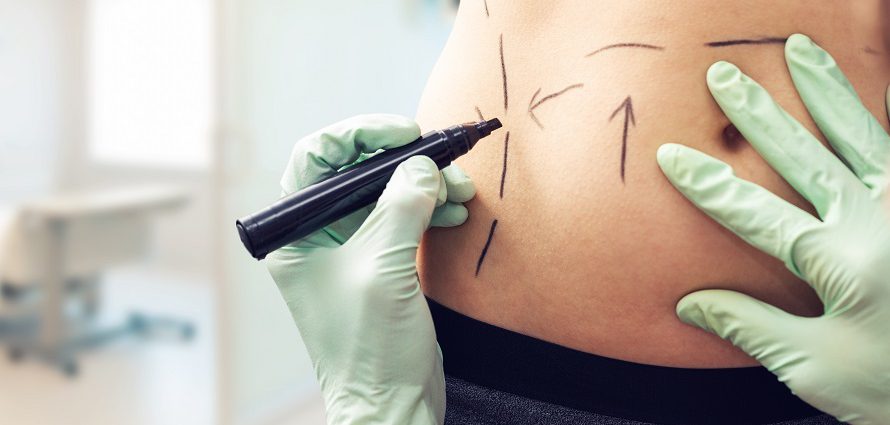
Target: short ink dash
504 168
485 2
494 224
625 45
504 72
747 41
532 105
479 113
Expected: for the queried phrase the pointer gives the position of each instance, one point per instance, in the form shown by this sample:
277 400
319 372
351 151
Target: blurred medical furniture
52 254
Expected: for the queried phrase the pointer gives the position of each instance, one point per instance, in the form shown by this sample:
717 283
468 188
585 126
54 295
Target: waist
506 361
572 215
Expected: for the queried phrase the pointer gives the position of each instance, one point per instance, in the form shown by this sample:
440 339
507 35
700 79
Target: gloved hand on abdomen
839 362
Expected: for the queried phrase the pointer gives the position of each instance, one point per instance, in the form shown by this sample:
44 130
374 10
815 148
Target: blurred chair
52 254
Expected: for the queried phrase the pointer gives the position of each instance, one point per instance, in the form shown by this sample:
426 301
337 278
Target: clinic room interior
133 134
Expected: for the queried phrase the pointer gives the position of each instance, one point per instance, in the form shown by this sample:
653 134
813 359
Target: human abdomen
592 247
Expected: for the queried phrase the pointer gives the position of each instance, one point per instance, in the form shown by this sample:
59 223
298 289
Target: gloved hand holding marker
352 287
839 362
342 192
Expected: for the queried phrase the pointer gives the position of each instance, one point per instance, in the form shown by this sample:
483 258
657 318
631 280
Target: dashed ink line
625 45
504 72
747 41
479 113
504 168
532 105
485 2
494 224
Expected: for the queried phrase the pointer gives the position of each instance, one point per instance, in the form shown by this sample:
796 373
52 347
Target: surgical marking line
486 8
747 41
494 224
504 72
504 168
628 108
479 113
532 105
623 45
552 95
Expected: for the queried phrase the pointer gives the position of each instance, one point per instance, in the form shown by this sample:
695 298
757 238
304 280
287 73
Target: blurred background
132 134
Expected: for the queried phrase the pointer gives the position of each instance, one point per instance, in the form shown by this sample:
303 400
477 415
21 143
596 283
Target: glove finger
460 187
403 213
833 103
761 330
326 151
442 195
753 213
782 141
449 215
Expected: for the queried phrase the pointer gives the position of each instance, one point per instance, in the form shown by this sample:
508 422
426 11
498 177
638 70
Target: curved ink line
620 45
747 41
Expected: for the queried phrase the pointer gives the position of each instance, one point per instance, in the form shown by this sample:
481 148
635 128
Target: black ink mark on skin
532 105
504 72
625 45
747 41
628 108
494 224
479 113
485 2
504 169
531 108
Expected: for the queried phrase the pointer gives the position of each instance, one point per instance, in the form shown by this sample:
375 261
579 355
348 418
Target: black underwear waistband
508 361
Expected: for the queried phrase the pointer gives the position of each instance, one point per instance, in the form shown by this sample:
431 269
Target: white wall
43 97
34 91
289 68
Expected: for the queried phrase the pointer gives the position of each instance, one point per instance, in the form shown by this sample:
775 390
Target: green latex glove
352 288
839 362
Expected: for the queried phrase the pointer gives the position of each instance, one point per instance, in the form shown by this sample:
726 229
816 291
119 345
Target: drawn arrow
532 105
628 108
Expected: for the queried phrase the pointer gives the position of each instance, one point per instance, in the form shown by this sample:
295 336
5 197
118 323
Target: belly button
732 138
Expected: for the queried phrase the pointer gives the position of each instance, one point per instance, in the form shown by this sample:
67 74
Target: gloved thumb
403 211
761 330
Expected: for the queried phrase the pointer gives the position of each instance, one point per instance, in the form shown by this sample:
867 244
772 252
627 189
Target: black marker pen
299 214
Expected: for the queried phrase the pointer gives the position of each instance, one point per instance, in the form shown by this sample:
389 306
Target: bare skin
579 256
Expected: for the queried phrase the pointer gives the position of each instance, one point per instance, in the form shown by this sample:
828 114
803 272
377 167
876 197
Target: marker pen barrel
308 210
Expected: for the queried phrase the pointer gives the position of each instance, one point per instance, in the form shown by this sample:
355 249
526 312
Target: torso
579 256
